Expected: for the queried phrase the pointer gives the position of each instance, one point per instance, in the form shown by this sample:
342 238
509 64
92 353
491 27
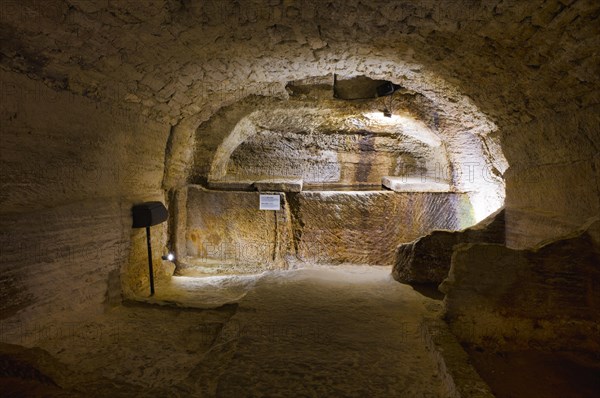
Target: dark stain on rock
366 147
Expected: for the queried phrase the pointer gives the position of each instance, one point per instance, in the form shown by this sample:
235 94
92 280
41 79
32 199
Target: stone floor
326 332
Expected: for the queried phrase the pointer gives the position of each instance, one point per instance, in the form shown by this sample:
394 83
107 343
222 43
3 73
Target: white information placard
270 202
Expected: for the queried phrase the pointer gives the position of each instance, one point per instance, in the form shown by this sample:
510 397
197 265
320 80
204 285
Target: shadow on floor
525 374
429 290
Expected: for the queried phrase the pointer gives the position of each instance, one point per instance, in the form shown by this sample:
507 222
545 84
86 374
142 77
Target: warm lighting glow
486 201
169 257
380 118
406 125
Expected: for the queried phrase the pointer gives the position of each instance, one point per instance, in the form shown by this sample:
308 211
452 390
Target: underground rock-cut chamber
353 183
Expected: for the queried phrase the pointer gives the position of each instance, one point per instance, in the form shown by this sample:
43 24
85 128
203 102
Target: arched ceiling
426 140
180 58
529 68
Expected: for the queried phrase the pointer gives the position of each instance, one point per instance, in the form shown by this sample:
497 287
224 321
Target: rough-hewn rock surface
427 259
70 172
153 90
226 231
229 228
414 184
548 297
332 144
278 185
329 148
366 227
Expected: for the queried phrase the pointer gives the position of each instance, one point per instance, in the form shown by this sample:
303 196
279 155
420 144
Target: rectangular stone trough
325 227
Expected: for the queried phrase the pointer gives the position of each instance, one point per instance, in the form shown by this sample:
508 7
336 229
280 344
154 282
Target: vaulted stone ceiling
173 57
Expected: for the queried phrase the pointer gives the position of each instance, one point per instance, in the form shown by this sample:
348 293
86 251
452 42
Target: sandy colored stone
278 185
365 227
498 297
226 231
70 170
336 144
503 84
405 184
427 259
283 335
228 227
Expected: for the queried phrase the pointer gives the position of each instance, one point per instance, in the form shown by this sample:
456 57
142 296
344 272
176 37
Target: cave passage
353 184
365 198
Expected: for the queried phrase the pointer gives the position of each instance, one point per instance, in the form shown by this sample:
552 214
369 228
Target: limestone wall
366 227
427 259
229 228
528 66
553 185
331 143
543 298
70 169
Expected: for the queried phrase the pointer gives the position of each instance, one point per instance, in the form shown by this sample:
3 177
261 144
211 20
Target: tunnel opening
354 184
